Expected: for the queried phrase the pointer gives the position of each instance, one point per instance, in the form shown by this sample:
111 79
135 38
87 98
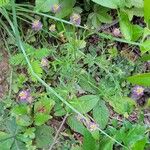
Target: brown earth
4 70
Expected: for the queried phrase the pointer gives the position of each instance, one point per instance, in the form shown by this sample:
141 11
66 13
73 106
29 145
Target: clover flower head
137 92
24 96
75 19
44 62
92 126
37 25
81 119
116 32
56 8
52 28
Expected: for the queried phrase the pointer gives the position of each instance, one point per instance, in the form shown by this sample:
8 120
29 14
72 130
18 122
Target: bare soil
4 71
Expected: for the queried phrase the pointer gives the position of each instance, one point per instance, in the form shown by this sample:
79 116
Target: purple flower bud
56 8
37 25
44 62
75 19
81 119
137 92
24 96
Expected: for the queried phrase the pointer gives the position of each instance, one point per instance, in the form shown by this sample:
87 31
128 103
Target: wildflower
52 28
137 92
37 25
44 62
24 96
75 19
56 8
92 126
81 119
116 32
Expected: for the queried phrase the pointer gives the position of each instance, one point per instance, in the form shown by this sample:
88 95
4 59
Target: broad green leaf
140 79
20 110
84 82
23 120
5 141
106 144
122 105
138 4
75 124
147 11
18 145
45 105
59 110
135 3
66 8
110 3
85 103
140 144
89 142
11 127
137 32
134 12
125 26
44 136
146 32
4 2
134 134
145 46
145 57
100 15
41 118
44 6
130 134
101 114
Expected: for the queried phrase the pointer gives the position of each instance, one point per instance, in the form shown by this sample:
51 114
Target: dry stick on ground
57 134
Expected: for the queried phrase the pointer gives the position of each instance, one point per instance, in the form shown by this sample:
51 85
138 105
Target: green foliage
66 8
140 79
44 136
75 124
145 46
85 72
125 26
45 6
100 15
6 141
101 114
130 136
85 103
4 2
110 4
89 142
106 144
147 12
122 105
